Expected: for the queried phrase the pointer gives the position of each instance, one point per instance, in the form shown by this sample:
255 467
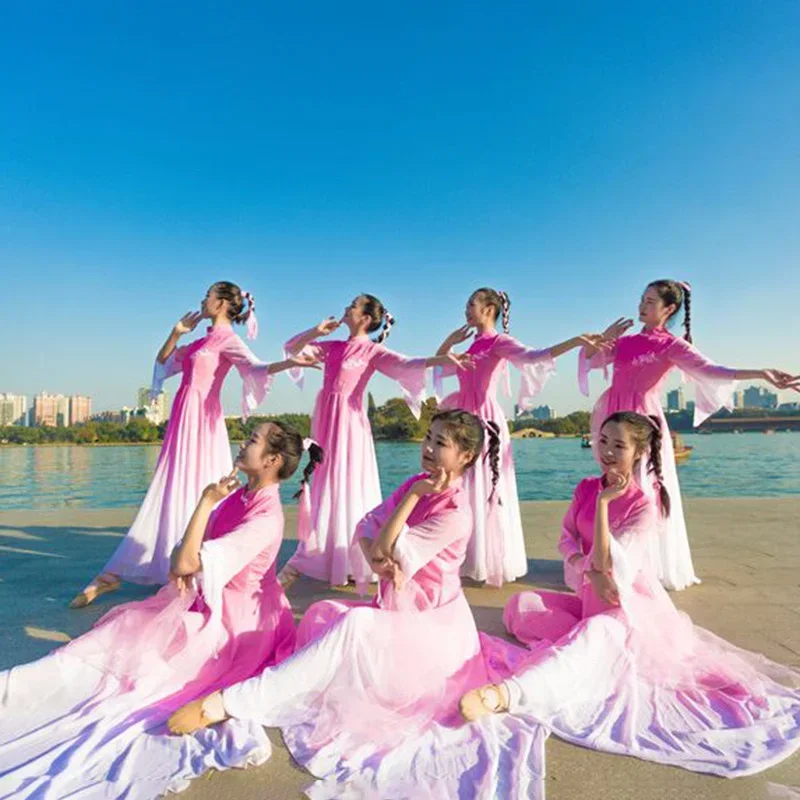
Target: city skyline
157 410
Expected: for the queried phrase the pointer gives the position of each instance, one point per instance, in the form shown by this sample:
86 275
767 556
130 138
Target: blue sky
567 153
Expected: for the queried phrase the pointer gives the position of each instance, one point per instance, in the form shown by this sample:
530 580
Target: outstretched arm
297 343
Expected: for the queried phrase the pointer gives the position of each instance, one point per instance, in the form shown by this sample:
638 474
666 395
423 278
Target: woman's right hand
328 326
188 322
617 328
460 335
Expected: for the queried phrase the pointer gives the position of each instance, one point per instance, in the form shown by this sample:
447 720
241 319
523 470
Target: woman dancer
616 667
196 448
497 548
348 485
641 364
88 719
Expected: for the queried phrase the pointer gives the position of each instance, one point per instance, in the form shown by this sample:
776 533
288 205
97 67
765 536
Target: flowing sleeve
172 366
569 544
439 374
421 543
631 542
536 367
714 384
408 372
256 380
318 350
600 360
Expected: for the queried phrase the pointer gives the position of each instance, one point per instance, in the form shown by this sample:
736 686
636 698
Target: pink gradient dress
88 719
371 695
195 452
641 679
346 484
496 550
641 364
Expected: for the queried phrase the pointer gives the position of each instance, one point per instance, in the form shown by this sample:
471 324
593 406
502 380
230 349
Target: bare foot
287 576
103 584
489 699
198 714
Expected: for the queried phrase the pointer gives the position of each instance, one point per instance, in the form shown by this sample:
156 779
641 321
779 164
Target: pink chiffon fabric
640 678
369 703
88 719
641 364
346 484
496 551
195 452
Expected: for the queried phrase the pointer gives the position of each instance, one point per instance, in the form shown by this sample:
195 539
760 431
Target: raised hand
225 486
437 482
460 334
188 322
617 328
328 326
617 483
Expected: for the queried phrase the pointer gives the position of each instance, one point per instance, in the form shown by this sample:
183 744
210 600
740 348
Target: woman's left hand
604 587
183 583
462 360
782 380
596 341
302 360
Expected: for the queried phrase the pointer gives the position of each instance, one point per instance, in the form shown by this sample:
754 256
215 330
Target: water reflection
547 469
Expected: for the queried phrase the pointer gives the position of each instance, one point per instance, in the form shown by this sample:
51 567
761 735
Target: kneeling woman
90 716
617 667
371 680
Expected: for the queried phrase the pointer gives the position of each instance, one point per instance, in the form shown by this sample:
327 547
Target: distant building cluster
59 410
752 397
53 410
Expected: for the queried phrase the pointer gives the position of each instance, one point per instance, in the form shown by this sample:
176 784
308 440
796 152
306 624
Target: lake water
722 465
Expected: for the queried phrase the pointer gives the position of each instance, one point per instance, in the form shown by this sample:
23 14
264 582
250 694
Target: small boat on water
682 451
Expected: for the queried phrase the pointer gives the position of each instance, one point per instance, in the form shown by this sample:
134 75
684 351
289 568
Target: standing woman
496 552
347 486
196 449
641 364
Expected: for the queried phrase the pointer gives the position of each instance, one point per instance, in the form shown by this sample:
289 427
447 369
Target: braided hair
646 431
236 301
679 294
497 300
316 456
379 316
469 434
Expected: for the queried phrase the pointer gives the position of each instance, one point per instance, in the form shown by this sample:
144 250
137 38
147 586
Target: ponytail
493 454
505 305
388 321
687 311
315 457
654 464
